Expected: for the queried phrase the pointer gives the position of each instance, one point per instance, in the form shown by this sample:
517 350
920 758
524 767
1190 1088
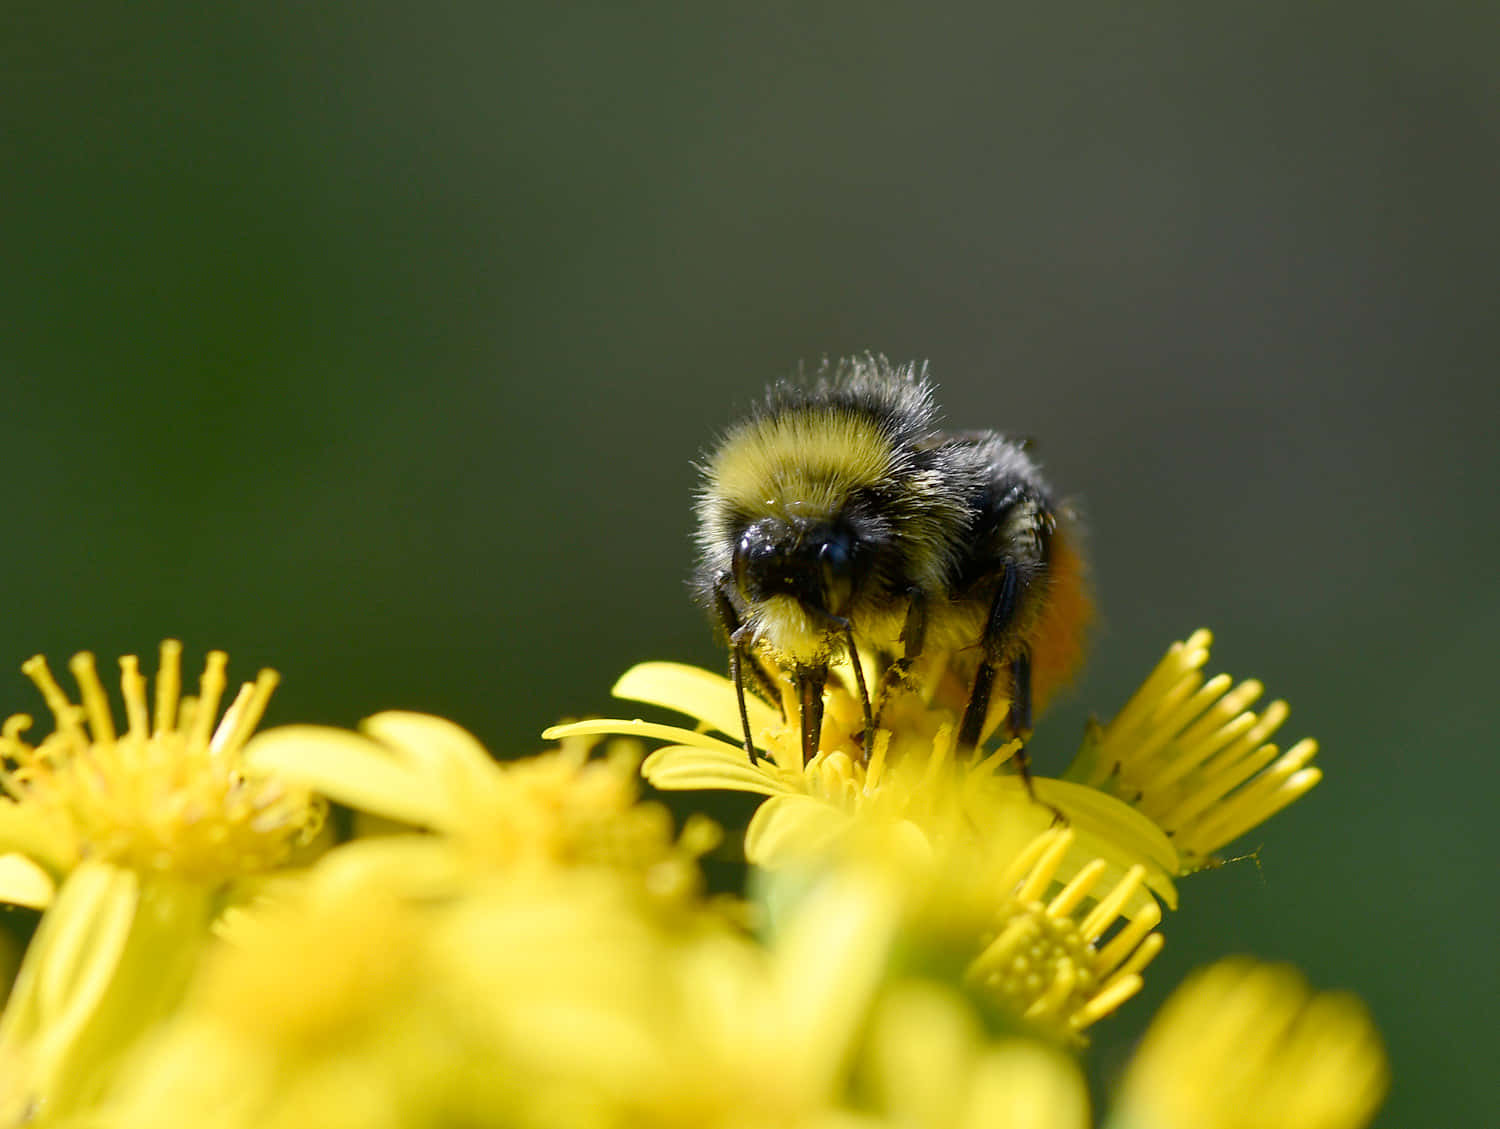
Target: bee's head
817 562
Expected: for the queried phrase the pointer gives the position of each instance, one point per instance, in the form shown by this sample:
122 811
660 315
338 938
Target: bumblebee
837 519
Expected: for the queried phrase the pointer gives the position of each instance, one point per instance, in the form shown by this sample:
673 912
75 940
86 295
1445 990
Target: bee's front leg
740 657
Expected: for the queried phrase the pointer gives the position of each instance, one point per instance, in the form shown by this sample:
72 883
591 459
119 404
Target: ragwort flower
1243 1045
144 829
1045 951
559 808
913 783
1053 960
929 1065
1193 756
170 795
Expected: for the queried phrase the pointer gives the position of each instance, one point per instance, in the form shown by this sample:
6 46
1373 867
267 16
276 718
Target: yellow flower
317 1013
913 783
770 1038
145 829
1051 959
538 998
1250 1046
1192 756
1045 950
821 1030
929 1066
111 956
556 809
169 795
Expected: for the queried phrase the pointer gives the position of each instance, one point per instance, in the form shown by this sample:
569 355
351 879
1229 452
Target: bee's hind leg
1002 611
1018 715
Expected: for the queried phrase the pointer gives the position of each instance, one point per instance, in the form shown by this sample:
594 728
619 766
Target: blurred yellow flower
559 808
1249 1046
316 1014
1192 756
541 998
169 795
144 829
930 1066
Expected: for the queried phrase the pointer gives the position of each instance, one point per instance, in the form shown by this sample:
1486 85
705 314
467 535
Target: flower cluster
924 939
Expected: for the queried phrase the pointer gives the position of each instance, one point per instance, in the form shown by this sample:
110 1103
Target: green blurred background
375 342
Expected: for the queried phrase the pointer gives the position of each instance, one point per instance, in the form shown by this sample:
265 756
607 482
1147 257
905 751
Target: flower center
1037 966
170 795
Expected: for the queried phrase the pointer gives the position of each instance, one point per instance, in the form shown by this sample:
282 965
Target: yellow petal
679 767
827 965
1108 829
69 963
23 883
24 833
434 745
351 769
922 1052
696 692
1251 1045
596 727
1026 1085
417 864
785 828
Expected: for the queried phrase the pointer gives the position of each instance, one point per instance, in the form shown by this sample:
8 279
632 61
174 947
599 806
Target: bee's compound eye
836 559
752 554
833 555
741 561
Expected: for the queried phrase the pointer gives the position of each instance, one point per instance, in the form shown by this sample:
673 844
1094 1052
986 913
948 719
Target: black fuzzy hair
898 398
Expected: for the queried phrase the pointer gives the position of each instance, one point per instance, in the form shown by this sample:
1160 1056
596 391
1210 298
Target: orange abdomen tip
1059 637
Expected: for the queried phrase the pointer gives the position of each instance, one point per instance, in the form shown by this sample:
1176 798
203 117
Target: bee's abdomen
1057 633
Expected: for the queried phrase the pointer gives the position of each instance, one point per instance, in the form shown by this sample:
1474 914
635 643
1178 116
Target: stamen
1203 742
1075 891
998 953
1212 788
133 687
1254 799
187 710
1143 955
1028 857
253 709
227 723
1041 875
1270 721
11 743
168 685
64 713
1181 658
1199 702
1106 1001
95 701
1127 939
1109 907
1059 989
210 690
